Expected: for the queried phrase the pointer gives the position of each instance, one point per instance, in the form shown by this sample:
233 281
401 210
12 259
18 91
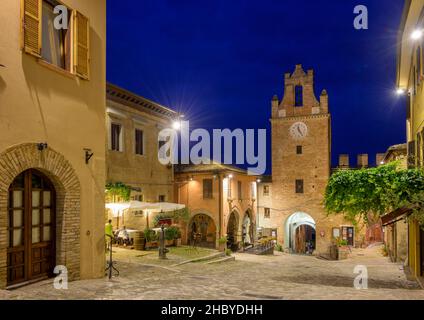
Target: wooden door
31 228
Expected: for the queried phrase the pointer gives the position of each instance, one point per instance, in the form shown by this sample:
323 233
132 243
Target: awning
395 216
119 207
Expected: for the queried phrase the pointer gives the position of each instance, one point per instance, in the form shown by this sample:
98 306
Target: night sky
219 62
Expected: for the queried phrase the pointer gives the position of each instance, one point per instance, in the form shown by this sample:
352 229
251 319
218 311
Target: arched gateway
300 233
39 215
203 229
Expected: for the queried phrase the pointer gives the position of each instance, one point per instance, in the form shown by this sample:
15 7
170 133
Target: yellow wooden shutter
31 26
82 46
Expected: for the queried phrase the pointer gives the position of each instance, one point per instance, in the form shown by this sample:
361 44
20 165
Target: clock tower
301 146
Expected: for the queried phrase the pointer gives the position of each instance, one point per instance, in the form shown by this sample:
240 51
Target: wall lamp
88 155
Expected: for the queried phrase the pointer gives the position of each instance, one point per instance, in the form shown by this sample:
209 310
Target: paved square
281 276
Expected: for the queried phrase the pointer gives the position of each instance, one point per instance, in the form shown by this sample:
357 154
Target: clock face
299 130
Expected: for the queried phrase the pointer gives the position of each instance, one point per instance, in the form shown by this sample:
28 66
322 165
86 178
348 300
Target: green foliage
119 189
150 235
172 233
279 247
182 215
341 242
358 193
222 240
228 252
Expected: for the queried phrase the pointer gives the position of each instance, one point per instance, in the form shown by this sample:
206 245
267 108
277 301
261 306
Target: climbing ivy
119 189
358 193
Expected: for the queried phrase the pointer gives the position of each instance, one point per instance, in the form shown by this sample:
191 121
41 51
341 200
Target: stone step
202 259
226 259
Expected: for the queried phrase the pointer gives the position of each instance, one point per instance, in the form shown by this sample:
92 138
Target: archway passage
300 233
305 239
202 231
247 232
31 228
232 232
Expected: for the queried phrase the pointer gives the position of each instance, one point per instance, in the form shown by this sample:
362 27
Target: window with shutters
207 188
66 48
299 186
116 137
139 142
267 213
299 150
55 43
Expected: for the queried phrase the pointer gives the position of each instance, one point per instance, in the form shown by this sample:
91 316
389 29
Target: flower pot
343 252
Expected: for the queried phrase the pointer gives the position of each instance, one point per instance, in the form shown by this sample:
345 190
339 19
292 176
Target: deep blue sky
220 62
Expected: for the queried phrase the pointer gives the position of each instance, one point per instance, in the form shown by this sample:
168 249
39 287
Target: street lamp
417 34
400 91
177 122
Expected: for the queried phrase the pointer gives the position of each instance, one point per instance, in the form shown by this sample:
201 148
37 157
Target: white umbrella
166 206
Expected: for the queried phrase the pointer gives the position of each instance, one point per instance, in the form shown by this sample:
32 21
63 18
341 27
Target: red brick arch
17 159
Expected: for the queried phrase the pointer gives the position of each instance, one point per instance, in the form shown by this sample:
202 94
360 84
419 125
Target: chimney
362 160
379 159
344 161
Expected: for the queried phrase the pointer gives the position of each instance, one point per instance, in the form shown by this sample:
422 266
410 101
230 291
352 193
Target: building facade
222 203
133 124
410 79
52 150
395 224
292 204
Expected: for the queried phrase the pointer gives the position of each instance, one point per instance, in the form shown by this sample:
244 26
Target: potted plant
343 249
151 238
172 233
222 242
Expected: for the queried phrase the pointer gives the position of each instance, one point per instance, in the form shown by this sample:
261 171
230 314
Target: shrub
172 233
222 240
150 235
228 252
279 247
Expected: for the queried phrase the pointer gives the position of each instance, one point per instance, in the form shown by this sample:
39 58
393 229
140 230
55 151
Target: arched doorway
31 231
247 229
232 228
300 233
204 228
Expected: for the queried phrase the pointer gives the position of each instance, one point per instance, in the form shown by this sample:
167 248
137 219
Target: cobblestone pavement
281 276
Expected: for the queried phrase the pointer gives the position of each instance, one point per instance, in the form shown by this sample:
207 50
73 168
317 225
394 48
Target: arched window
298 96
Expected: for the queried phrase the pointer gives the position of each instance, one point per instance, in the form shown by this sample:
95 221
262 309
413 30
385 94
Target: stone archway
59 171
232 231
247 229
204 227
300 232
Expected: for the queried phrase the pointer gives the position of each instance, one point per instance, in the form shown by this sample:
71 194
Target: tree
358 193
